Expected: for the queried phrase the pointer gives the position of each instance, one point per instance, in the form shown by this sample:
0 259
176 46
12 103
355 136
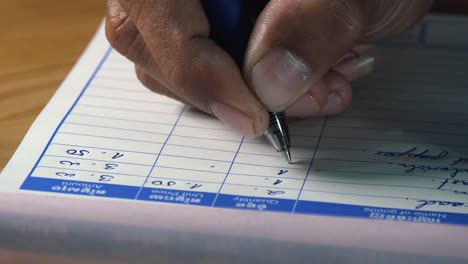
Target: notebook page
398 153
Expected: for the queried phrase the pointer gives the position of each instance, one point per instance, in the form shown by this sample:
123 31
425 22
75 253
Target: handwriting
271 192
281 172
195 186
424 203
277 182
163 183
425 168
105 178
65 174
76 152
69 163
414 153
117 155
110 166
453 182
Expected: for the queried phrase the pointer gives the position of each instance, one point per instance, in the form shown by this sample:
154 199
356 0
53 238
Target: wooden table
40 41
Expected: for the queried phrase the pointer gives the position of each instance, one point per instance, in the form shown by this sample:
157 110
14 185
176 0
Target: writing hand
302 54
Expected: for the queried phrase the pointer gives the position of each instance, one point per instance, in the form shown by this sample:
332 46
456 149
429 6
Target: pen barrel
231 24
276 118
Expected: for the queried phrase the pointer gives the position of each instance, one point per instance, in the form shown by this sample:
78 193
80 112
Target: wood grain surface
39 43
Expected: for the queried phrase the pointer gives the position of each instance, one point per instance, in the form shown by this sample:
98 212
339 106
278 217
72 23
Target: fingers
329 96
295 43
125 37
297 52
169 41
333 93
353 68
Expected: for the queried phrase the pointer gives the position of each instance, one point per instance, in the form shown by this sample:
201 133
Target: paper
399 153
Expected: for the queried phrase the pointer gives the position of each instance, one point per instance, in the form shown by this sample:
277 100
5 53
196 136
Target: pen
231 23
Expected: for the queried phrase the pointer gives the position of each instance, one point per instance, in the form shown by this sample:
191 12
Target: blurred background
40 40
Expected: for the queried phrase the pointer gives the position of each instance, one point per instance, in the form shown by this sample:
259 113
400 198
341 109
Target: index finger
192 66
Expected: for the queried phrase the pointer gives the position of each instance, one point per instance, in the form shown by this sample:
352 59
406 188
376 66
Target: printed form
399 153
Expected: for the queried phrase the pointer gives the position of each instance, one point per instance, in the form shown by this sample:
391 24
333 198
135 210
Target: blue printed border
103 60
240 202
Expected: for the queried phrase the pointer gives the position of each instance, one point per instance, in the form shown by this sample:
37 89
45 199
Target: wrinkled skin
322 41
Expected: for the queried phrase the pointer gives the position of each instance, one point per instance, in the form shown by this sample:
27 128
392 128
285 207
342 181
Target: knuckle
120 31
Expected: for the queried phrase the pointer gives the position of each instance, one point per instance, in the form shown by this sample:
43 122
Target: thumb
296 42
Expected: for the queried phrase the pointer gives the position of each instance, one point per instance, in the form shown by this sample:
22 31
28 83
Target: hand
302 57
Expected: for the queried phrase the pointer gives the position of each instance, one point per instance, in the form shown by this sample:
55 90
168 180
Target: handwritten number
271 192
105 178
281 172
76 152
162 183
110 166
196 186
117 155
64 174
70 163
277 182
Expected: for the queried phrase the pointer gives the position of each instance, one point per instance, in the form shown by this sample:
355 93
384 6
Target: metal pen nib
277 134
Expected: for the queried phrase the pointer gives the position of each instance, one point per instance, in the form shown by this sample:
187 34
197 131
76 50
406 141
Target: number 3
66 162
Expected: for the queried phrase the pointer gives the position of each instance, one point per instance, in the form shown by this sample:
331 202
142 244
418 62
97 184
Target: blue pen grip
231 23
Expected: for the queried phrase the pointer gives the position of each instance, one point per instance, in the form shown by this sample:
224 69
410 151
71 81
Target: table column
261 179
107 144
193 162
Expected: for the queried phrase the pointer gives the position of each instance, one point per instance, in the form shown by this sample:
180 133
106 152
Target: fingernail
279 78
233 118
334 104
364 65
356 68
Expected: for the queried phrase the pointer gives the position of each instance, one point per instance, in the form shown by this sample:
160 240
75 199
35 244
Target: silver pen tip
287 155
